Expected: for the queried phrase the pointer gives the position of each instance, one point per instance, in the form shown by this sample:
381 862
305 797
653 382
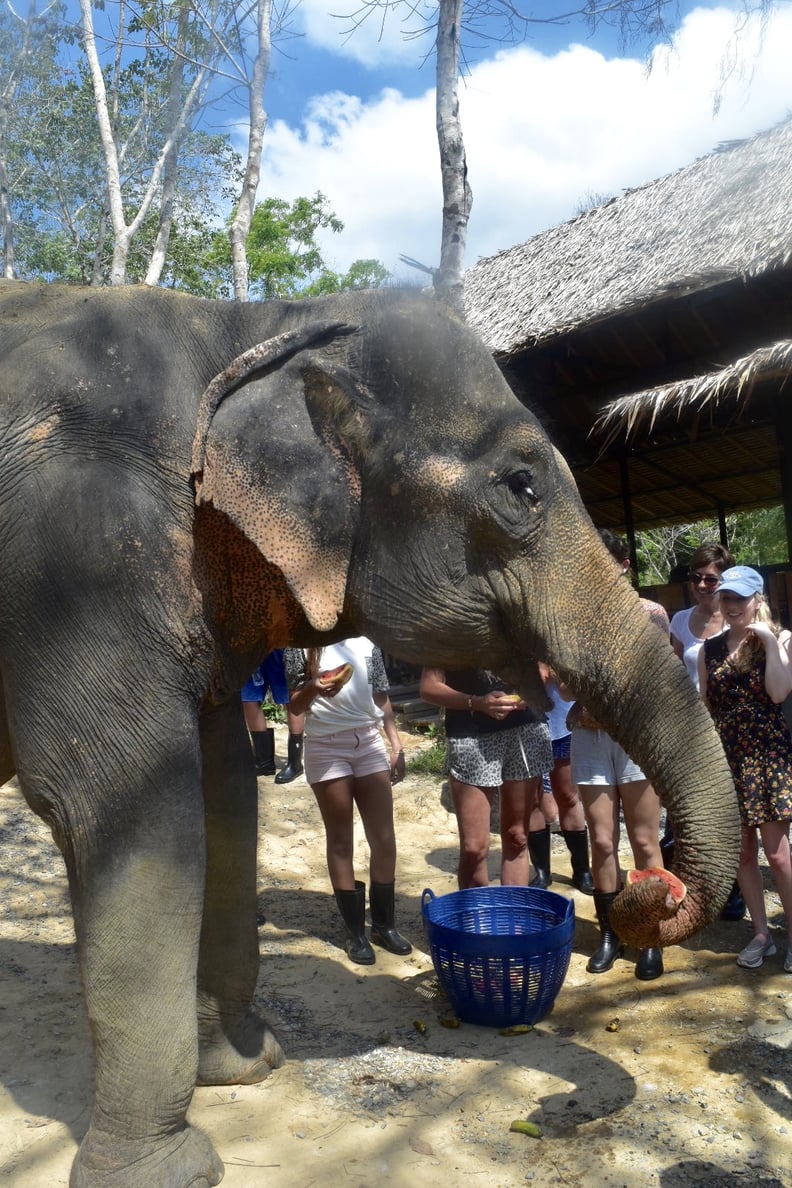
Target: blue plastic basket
501 953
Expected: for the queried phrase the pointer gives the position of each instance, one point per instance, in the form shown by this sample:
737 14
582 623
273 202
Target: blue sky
547 123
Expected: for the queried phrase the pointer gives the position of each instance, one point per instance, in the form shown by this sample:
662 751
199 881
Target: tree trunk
457 195
123 232
6 217
240 225
170 173
112 176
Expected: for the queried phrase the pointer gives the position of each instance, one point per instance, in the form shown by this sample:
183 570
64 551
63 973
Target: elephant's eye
521 483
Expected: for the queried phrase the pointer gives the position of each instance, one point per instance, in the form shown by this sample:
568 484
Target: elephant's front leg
133 838
235 1044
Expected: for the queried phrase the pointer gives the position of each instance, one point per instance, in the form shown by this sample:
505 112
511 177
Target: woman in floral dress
744 675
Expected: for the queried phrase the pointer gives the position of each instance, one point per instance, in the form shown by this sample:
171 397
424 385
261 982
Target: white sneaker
755 952
788 961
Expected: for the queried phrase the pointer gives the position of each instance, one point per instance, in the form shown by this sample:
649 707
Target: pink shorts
354 753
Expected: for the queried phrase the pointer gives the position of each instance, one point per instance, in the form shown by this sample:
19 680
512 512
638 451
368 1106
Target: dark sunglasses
710 580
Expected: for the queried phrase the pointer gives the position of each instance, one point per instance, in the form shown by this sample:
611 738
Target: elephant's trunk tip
650 900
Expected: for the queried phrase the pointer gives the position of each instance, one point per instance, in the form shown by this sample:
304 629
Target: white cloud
541 133
377 40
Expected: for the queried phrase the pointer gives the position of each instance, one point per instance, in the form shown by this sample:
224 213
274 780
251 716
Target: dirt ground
682 1081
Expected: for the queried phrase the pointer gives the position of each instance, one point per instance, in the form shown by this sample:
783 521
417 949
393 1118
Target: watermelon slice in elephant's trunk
660 892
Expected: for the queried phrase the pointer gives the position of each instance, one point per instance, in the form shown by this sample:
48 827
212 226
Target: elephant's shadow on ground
765 1065
49 1079
446 859
386 1004
703 1174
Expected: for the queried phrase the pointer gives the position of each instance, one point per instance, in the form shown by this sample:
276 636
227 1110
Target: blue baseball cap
741 580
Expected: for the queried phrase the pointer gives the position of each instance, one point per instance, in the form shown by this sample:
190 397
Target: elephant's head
384 465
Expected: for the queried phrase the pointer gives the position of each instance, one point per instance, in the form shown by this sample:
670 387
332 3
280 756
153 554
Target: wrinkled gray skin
375 477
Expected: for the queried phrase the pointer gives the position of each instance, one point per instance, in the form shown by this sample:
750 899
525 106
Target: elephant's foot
236 1050
184 1160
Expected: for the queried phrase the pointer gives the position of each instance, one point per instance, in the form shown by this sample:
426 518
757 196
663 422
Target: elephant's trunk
635 685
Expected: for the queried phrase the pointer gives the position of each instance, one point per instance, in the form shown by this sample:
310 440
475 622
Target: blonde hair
751 651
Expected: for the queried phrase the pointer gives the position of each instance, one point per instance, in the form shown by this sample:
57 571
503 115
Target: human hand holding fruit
499 705
332 680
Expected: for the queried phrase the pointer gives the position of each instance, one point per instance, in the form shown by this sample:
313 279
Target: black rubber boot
294 765
649 964
578 846
610 945
734 907
539 850
352 906
264 751
383 914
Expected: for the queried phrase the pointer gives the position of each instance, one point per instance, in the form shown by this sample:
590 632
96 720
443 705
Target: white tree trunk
457 195
240 225
121 238
124 232
6 217
170 174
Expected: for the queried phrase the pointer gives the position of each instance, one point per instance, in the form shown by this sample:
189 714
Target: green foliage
755 538
362 274
284 258
428 762
272 712
57 184
282 251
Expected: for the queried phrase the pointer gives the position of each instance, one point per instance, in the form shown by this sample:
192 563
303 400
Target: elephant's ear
273 451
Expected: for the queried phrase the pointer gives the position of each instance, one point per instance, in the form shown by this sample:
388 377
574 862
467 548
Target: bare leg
601 806
296 722
549 808
750 879
254 716
775 840
374 799
472 805
641 806
335 800
570 810
519 802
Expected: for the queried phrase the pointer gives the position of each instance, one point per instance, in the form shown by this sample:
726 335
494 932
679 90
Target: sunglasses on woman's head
710 580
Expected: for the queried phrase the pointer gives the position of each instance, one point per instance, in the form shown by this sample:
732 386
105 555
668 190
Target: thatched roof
736 383
624 256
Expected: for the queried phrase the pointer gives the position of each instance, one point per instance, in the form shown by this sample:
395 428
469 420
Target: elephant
187 484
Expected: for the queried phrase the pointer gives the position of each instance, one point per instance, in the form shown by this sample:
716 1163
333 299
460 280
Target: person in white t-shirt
346 764
690 627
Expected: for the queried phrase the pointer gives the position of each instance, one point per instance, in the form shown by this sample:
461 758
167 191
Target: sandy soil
691 1084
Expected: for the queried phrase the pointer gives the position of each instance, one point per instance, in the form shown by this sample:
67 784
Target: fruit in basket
336 676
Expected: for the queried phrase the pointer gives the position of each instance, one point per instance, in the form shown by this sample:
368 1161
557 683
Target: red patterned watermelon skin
337 676
676 888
